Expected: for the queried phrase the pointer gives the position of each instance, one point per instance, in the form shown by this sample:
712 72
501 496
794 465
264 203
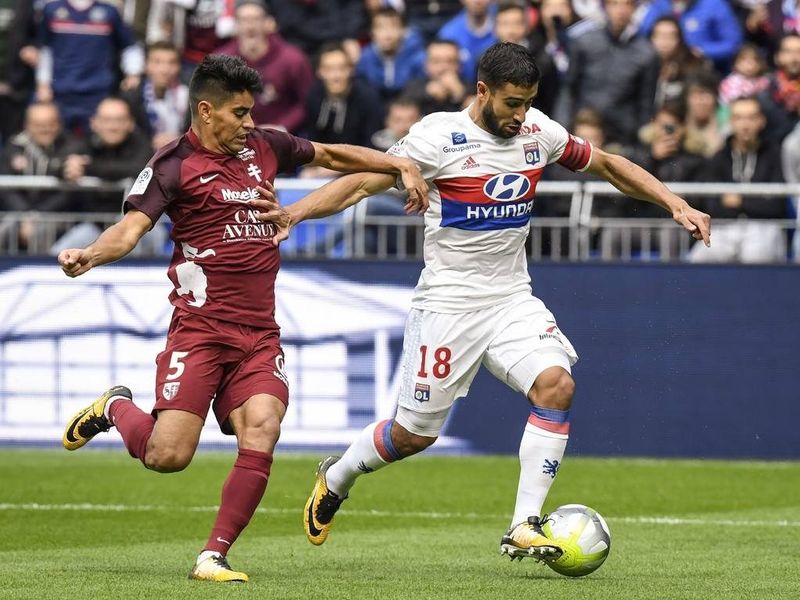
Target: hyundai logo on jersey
458 138
488 202
507 187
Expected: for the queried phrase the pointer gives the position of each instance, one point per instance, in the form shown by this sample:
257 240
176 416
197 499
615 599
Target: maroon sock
133 424
241 494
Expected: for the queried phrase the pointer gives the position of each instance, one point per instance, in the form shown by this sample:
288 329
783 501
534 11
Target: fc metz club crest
531 152
246 154
170 390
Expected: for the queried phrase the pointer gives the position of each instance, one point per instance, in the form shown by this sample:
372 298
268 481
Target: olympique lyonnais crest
422 392
531 150
170 390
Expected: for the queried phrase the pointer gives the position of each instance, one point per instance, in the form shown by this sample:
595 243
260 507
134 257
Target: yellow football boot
216 568
90 421
528 539
321 506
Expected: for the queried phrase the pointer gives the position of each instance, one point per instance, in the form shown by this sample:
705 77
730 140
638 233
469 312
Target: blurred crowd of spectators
692 90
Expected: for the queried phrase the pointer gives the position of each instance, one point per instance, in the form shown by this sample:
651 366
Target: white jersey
481 199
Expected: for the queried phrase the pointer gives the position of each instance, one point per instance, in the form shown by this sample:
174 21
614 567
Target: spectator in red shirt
286 71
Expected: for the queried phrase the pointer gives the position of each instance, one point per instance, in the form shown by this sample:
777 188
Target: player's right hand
269 210
75 261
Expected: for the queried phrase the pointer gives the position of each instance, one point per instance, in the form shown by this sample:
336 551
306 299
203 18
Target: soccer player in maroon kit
223 347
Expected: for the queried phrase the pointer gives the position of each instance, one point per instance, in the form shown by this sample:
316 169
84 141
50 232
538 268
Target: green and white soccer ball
583 535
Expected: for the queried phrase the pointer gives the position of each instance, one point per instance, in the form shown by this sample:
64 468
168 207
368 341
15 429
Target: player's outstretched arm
327 200
348 158
114 243
637 183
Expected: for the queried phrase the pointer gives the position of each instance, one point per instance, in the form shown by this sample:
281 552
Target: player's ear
204 111
483 90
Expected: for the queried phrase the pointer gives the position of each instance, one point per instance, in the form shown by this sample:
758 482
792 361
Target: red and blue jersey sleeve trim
577 154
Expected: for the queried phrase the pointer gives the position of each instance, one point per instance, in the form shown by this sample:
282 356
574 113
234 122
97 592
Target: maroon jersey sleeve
157 184
291 151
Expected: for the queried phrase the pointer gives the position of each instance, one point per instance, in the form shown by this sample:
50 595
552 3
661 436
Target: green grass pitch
95 524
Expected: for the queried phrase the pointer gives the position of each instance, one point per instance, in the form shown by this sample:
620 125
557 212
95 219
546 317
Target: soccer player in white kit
473 303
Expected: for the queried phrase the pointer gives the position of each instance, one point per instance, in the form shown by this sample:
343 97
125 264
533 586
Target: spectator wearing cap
285 70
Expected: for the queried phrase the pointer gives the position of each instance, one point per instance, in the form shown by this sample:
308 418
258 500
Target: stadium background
681 363
676 360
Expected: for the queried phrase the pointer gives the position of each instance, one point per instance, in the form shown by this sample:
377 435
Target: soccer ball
583 535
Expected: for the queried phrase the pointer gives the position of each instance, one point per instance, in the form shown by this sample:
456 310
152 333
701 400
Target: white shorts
515 340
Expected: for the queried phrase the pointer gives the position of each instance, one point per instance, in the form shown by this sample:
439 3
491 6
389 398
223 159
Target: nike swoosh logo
70 429
204 179
312 529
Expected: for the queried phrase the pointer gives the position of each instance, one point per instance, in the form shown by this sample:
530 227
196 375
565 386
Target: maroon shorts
210 361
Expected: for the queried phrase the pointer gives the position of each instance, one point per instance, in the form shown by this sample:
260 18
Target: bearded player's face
503 109
231 121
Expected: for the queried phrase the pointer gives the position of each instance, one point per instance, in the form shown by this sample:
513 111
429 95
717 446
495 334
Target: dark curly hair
508 63
220 76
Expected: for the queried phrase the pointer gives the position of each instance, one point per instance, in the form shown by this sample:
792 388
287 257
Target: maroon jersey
224 264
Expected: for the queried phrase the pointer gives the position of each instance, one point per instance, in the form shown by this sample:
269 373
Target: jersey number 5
441 364
175 365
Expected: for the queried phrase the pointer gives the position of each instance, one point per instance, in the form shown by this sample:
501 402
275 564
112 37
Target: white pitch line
641 520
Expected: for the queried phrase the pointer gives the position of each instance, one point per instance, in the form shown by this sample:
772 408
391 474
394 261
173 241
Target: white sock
372 450
206 554
540 456
108 406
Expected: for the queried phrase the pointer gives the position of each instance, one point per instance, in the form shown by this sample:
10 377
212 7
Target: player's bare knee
167 460
554 389
260 435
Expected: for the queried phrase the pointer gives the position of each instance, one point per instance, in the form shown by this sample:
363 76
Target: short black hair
330 48
441 42
259 3
220 76
703 80
506 63
164 46
402 100
389 13
674 107
506 5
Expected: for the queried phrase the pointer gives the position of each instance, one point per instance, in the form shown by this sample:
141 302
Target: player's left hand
695 222
269 210
416 187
